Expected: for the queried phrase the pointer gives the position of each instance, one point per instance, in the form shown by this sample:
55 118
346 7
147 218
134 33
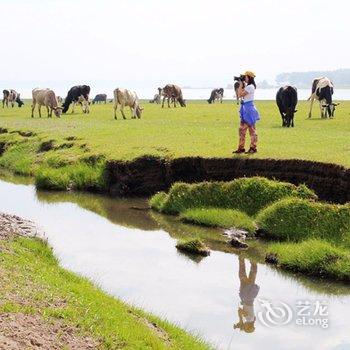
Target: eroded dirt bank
147 175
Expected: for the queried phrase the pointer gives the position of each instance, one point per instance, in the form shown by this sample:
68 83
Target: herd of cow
286 98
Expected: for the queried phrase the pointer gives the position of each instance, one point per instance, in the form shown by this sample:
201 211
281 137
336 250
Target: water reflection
248 291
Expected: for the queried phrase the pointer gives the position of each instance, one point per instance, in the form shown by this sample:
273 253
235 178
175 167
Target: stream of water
131 254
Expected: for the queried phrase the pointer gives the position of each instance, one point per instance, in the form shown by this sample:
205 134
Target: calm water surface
131 254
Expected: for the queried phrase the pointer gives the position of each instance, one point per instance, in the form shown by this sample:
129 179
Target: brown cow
47 98
174 93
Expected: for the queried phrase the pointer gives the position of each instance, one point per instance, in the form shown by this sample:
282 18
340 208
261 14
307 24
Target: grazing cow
157 97
128 98
11 96
100 98
216 94
287 99
77 94
47 98
236 86
322 90
173 93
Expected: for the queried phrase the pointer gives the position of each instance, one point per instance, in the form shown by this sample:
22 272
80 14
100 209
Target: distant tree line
339 77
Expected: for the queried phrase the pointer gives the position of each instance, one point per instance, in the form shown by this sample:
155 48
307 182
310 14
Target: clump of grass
193 246
245 194
157 201
217 217
297 219
313 257
80 176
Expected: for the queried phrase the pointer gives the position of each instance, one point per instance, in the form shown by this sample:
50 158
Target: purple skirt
249 113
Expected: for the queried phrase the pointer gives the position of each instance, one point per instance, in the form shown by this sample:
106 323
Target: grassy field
32 284
199 129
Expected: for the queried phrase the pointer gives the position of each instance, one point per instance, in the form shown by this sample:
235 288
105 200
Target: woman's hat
249 73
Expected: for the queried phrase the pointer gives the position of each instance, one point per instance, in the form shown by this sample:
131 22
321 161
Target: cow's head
289 117
19 101
182 102
329 109
57 111
139 111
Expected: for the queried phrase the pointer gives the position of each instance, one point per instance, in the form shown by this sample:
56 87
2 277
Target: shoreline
45 306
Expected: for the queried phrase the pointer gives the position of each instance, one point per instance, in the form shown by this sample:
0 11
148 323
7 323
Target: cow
100 98
174 93
77 94
11 96
157 97
235 87
287 99
216 94
322 90
47 98
124 97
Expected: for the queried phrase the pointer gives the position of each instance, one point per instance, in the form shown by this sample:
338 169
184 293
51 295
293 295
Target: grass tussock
216 217
296 219
31 273
79 176
314 257
246 194
193 246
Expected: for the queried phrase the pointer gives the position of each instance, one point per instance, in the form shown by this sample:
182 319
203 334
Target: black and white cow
100 98
322 90
287 99
11 96
77 94
216 94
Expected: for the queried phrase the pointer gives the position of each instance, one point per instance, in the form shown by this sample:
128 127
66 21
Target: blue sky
152 42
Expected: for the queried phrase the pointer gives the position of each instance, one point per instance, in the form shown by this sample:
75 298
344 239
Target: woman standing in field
248 113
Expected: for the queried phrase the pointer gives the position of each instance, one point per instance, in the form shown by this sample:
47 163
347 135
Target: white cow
47 98
124 97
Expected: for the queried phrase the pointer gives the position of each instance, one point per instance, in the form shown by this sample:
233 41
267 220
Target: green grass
193 246
297 219
216 217
29 272
199 129
245 194
314 257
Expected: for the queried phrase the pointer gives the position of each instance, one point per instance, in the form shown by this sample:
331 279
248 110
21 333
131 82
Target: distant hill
339 77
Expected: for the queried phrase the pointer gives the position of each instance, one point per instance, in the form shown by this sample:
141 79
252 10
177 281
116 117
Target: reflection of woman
247 292
248 113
